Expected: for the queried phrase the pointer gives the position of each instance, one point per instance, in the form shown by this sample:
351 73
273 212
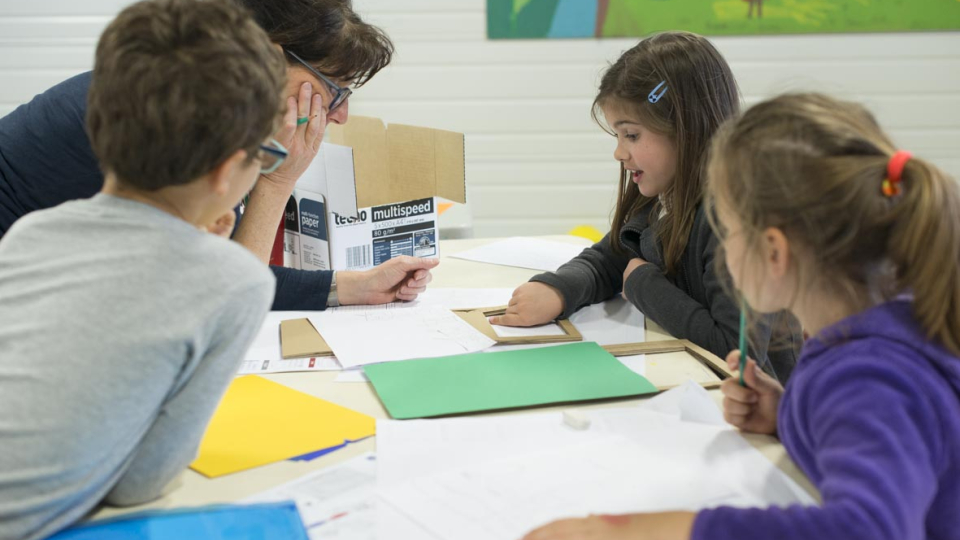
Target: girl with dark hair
663 100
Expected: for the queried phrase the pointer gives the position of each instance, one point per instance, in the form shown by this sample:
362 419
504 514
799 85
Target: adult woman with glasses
45 155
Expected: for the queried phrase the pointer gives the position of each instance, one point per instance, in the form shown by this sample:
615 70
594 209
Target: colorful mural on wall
513 19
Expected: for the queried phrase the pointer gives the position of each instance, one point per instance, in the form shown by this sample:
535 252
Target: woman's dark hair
326 33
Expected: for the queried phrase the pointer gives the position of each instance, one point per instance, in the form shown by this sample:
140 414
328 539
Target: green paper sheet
489 381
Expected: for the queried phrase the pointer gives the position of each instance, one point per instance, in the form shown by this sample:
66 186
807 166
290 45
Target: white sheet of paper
412 448
637 363
417 448
612 322
550 329
376 335
449 298
364 307
505 500
456 298
320 363
351 375
689 402
334 503
524 252
266 346
628 460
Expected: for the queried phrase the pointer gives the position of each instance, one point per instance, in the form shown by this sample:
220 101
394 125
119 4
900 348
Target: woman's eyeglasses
339 93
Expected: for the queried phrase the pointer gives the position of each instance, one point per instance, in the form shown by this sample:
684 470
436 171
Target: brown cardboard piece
477 318
713 362
416 162
298 338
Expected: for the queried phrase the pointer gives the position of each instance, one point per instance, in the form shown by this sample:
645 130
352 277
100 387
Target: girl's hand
661 526
752 407
532 304
223 226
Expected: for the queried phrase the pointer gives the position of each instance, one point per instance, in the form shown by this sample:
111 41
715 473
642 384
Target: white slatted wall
536 164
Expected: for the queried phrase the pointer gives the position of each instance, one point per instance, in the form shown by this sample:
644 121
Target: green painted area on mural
519 4
732 17
634 18
520 18
535 18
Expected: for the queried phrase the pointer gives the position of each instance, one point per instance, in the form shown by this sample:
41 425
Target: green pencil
743 342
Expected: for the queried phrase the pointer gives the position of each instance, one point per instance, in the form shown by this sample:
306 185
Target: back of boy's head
178 87
328 34
698 94
814 167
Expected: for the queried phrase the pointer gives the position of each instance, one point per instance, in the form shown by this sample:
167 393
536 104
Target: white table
193 489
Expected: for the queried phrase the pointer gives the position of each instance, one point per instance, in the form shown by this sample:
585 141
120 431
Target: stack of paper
498 478
334 503
366 336
489 381
260 422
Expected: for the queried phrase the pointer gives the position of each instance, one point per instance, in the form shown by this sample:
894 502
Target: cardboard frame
477 318
711 361
298 338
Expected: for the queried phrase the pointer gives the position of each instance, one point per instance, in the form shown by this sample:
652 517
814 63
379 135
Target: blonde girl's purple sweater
872 416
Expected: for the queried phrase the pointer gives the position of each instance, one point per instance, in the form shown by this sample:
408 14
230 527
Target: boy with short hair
122 320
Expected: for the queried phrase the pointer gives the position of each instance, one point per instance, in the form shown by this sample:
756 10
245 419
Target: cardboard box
377 185
382 232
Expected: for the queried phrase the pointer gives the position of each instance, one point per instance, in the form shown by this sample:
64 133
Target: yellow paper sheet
260 422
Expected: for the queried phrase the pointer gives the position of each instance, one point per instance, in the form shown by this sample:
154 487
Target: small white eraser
576 420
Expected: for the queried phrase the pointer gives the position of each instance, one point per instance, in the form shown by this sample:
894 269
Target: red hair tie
891 184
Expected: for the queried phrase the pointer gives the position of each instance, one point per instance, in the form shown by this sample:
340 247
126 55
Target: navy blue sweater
46 159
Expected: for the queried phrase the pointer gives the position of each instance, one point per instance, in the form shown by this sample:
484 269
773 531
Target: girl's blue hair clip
654 96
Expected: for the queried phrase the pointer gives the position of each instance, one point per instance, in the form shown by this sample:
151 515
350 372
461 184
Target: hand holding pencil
751 406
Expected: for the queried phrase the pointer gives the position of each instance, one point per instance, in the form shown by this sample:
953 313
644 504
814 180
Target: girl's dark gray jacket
692 304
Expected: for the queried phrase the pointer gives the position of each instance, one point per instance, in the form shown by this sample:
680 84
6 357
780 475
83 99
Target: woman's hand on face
301 139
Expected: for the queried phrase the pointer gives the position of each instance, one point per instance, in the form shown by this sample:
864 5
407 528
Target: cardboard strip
298 338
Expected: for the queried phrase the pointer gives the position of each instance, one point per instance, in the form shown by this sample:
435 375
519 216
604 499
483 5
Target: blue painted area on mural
574 19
